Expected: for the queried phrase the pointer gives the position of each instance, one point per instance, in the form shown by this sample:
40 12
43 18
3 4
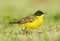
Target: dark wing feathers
27 19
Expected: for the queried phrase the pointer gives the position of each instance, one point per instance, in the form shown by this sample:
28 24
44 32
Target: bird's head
38 13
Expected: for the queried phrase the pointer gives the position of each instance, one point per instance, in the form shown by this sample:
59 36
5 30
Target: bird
32 21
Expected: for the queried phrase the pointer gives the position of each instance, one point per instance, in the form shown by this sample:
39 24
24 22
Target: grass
14 10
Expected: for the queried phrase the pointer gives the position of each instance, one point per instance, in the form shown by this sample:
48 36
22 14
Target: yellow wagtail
32 21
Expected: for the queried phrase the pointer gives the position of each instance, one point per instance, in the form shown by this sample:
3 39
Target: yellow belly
33 25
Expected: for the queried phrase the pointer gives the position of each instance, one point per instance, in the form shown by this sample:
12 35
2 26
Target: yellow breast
35 24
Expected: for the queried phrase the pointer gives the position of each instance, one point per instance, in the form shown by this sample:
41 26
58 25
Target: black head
38 13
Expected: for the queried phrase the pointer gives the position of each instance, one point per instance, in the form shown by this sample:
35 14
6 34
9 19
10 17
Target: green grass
13 10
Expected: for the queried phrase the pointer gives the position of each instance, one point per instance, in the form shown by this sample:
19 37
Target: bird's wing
27 19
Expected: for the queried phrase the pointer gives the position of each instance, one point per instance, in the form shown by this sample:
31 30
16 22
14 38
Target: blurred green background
13 10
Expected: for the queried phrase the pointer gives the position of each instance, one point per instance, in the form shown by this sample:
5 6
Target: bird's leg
25 32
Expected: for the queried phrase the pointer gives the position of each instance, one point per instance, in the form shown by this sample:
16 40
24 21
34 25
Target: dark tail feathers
13 22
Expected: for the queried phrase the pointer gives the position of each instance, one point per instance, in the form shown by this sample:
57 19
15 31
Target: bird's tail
13 22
